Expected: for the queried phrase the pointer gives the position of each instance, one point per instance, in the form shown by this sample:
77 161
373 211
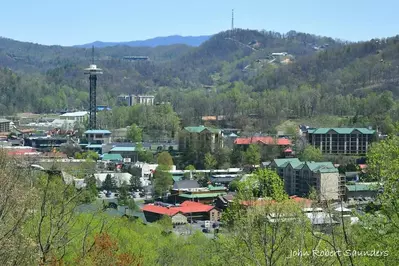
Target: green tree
91 189
252 155
135 181
188 168
222 156
165 223
162 180
311 154
109 183
263 183
123 193
210 161
165 159
135 134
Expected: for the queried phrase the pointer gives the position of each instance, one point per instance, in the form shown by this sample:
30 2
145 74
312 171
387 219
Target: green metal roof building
299 177
200 137
341 140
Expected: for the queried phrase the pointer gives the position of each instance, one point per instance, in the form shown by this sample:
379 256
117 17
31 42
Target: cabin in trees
341 140
200 138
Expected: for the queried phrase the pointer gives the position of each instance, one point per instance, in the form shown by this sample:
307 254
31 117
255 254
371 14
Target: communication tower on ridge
232 20
93 71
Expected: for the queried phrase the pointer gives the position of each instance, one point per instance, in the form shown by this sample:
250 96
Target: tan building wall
179 219
328 185
214 215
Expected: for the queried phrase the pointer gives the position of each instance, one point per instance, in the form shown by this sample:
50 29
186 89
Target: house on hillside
341 140
200 138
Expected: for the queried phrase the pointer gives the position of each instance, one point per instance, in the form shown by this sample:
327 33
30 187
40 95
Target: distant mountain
158 41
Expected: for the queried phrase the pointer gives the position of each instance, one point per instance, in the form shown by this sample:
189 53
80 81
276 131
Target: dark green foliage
91 189
123 194
162 180
109 183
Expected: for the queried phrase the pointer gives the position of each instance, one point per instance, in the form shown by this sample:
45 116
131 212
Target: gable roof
267 140
322 167
340 130
281 162
199 129
112 157
97 131
186 184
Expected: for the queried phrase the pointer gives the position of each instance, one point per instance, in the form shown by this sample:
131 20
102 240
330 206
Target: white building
131 99
119 177
80 116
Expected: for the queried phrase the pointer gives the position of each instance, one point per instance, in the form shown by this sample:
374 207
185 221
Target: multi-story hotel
299 177
341 140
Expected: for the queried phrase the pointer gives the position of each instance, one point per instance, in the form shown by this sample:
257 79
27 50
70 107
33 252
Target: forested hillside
256 89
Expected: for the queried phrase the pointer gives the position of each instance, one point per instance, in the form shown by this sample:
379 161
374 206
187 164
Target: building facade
300 177
131 99
200 138
79 117
4 125
341 140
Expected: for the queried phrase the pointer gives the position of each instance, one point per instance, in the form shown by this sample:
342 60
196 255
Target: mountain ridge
152 42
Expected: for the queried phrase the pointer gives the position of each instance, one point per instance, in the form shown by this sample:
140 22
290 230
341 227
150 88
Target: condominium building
4 125
200 138
299 177
341 140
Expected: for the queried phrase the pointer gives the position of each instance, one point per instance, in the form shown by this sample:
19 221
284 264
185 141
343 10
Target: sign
207 224
127 160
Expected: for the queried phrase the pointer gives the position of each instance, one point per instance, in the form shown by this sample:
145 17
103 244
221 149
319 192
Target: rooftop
111 157
74 114
202 195
97 131
186 207
362 187
267 140
4 120
199 129
340 130
123 149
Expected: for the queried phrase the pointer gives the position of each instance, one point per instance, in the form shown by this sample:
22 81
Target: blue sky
69 22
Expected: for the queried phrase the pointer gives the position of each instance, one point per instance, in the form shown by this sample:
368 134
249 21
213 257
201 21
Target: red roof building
263 140
191 209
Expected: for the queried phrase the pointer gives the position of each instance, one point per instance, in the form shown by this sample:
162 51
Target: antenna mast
232 20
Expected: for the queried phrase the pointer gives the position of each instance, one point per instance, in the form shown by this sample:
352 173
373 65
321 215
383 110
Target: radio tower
232 20
93 71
